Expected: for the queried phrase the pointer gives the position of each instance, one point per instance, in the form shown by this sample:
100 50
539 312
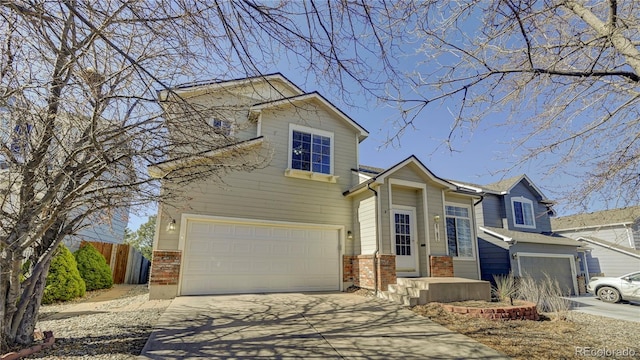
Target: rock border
48 341
526 311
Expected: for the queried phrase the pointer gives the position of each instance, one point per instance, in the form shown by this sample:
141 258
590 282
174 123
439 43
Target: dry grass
547 339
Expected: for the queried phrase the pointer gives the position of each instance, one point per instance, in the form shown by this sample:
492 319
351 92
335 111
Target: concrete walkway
309 326
590 304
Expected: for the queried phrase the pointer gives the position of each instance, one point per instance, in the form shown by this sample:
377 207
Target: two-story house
312 219
611 236
514 234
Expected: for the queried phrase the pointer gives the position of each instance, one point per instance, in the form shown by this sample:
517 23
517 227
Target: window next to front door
459 233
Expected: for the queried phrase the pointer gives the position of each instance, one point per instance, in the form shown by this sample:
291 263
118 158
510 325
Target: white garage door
225 258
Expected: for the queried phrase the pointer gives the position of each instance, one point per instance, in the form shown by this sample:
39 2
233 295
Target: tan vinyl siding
438 246
267 193
384 219
232 104
409 173
462 200
405 196
367 229
465 269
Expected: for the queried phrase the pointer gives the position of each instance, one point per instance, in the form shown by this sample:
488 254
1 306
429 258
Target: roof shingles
596 219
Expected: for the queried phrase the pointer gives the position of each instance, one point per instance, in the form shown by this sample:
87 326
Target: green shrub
93 268
63 281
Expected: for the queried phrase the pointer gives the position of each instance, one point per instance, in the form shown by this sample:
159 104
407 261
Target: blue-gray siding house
514 234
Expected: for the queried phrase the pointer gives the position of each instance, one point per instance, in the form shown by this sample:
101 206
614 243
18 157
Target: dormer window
222 127
523 215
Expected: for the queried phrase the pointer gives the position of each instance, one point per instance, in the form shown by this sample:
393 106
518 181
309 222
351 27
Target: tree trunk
27 324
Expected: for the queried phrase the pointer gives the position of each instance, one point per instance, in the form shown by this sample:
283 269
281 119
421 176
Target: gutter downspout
477 243
378 227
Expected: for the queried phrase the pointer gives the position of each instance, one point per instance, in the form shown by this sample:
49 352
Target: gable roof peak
228 83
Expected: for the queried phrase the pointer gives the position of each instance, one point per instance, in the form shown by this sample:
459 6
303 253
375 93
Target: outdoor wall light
436 218
171 227
514 256
349 235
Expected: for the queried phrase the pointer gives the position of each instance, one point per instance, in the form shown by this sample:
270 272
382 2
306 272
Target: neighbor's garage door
226 257
558 268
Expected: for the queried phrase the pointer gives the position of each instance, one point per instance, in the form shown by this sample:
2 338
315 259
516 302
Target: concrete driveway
592 305
309 326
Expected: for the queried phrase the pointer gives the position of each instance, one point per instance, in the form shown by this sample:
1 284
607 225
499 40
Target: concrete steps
420 291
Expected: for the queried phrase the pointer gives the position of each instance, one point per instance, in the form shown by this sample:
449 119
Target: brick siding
441 266
359 269
165 267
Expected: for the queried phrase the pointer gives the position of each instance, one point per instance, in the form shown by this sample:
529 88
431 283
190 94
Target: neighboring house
106 226
313 218
612 237
514 234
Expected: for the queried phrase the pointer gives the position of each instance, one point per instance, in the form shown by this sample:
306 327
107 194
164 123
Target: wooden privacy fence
128 266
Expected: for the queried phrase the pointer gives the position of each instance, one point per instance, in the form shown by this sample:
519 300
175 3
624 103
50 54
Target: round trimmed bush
93 268
63 280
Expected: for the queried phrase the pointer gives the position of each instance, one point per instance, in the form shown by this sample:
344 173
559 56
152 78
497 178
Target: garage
243 256
558 267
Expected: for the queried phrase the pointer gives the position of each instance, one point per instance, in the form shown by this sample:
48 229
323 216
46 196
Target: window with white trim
311 150
459 233
222 127
523 215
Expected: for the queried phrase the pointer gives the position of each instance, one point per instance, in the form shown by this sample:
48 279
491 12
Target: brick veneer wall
165 267
386 271
359 269
441 266
348 273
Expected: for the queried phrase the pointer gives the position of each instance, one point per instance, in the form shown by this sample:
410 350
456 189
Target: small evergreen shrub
93 268
63 280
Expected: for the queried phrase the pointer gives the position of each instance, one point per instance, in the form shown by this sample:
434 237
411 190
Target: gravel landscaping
113 329
119 329
579 336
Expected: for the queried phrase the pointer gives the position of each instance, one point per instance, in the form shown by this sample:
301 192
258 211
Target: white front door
404 242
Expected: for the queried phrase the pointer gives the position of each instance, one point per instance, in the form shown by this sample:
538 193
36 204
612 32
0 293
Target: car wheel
608 294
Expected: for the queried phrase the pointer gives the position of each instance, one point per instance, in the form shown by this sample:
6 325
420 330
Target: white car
614 289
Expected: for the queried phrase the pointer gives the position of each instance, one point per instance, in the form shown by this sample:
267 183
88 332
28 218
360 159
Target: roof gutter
607 246
506 239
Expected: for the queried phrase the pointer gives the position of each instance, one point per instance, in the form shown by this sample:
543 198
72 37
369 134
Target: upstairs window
459 234
222 127
522 209
311 150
